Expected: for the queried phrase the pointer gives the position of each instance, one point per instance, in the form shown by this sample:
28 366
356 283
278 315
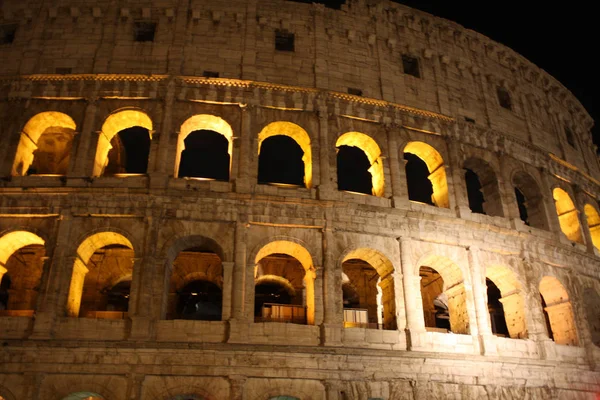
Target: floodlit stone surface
107 277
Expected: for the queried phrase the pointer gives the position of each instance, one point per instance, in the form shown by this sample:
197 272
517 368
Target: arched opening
368 289
505 303
45 145
559 312
436 178
205 156
568 216
84 396
444 296
204 148
482 188
284 280
593 222
195 288
101 277
496 310
591 303
123 144
530 201
354 172
279 292
435 302
281 160
22 256
129 152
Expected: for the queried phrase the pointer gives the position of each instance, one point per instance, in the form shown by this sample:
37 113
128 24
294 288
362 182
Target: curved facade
265 199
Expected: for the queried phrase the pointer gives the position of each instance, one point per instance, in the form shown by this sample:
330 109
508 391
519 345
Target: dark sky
559 39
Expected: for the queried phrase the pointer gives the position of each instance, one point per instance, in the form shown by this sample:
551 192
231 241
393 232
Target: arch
115 123
513 303
84 252
6 394
299 135
195 279
492 201
384 303
84 396
203 122
19 286
567 215
178 243
451 293
49 123
299 253
529 200
373 152
269 278
437 171
558 311
593 222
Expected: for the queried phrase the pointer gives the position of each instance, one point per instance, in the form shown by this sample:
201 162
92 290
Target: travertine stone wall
450 116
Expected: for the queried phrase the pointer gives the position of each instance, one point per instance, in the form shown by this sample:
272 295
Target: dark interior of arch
280 161
474 193
205 156
417 179
269 292
547 318
200 300
350 296
118 297
129 153
353 170
497 318
4 291
522 207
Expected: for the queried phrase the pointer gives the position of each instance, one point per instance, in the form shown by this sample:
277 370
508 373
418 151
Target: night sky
559 39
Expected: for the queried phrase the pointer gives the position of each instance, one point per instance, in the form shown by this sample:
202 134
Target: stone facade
73 238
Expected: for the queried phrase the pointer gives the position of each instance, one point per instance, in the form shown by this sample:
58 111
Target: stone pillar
136 286
412 289
397 170
580 202
479 292
312 297
459 186
332 283
236 383
227 289
328 182
547 202
514 313
243 182
53 299
84 152
161 164
240 274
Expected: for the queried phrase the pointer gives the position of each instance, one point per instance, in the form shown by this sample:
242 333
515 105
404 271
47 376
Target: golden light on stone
593 221
568 216
559 311
373 153
299 135
437 171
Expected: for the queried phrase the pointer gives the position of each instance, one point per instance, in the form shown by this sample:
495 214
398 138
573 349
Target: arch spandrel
370 147
299 135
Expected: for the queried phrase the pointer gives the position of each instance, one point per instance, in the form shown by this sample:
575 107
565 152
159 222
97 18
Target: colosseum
270 200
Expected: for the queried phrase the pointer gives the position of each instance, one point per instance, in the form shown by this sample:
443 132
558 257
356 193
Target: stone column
84 153
237 383
243 182
459 185
479 292
161 164
227 289
547 202
327 182
580 203
397 170
135 289
412 289
240 274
